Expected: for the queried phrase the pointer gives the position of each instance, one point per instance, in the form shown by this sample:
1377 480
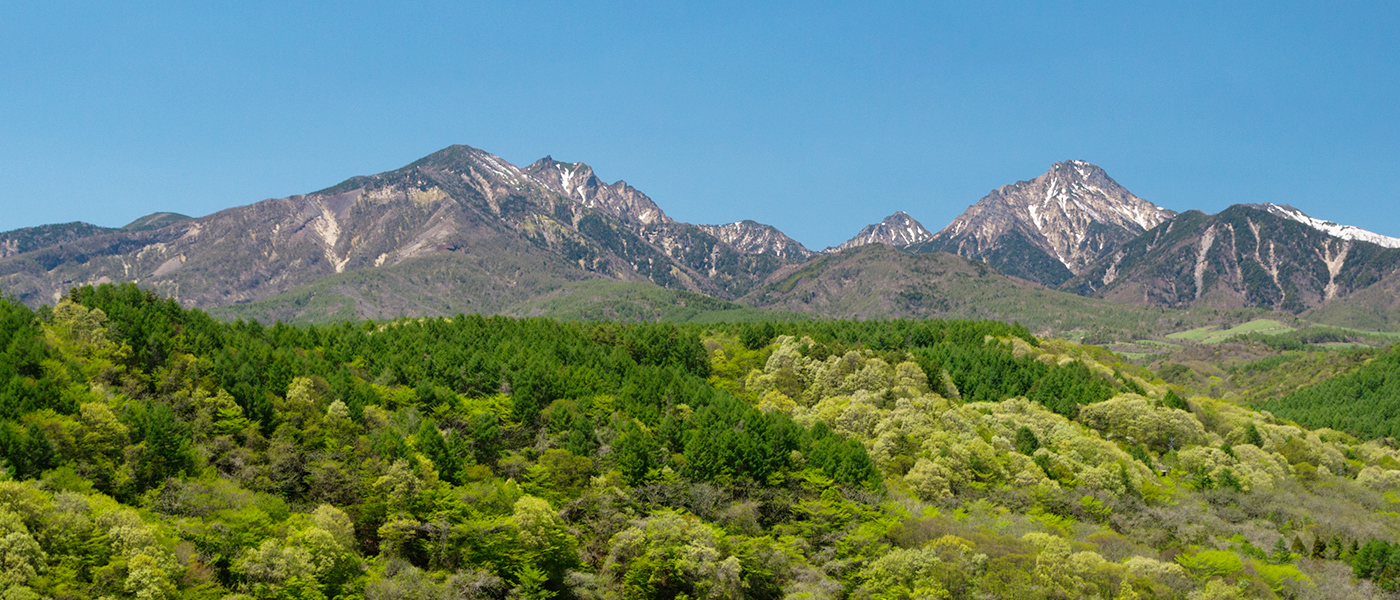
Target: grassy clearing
1211 334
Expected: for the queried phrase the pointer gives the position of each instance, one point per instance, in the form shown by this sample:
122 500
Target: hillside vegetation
150 451
1365 401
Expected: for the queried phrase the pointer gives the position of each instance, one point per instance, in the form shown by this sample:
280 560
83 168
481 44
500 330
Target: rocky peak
898 230
576 181
752 237
1073 213
469 161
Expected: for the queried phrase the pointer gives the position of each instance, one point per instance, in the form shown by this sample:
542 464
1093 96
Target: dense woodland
153 452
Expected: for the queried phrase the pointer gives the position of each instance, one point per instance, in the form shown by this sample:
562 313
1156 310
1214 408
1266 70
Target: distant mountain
1050 228
752 237
898 230
1375 307
155 221
577 181
30 239
464 231
876 281
460 229
1247 255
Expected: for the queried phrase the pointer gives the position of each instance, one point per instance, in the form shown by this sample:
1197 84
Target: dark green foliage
1174 400
756 335
167 452
1065 388
1026 442
431 443
981 372
635 453
1365 402
1378 561
1251 436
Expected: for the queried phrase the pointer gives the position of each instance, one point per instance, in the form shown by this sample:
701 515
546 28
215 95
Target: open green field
1211 334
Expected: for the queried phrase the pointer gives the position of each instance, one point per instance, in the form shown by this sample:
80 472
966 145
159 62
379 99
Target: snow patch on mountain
898 230
1337 230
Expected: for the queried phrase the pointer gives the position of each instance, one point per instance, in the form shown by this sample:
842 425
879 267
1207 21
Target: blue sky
815 117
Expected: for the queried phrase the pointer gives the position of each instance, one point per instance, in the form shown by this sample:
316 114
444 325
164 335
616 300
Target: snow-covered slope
1346 232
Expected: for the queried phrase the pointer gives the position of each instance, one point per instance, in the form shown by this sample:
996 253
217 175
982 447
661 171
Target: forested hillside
151 451
1365 402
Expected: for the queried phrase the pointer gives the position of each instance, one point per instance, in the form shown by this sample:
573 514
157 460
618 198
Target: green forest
154 452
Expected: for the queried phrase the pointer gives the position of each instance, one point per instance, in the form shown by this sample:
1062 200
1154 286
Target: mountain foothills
150 451
463 231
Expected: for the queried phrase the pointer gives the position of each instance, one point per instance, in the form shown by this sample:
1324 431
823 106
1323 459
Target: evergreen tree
1174 400
1252 436
1026 442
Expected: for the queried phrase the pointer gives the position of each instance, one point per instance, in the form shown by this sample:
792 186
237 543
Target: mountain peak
751 237
570 179
898 230
1070 215
577 181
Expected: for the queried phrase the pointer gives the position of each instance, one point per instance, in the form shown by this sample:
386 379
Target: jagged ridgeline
151 451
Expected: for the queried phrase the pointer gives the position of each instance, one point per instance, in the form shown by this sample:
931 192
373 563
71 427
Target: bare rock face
898 230
460 222
752 237
1052 227
1247 255
577 181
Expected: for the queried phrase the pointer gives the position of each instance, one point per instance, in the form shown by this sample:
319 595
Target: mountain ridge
1070 215
897 230
377 241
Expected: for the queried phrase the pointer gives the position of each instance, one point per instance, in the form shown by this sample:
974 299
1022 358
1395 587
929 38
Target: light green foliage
1212 563
479 457
671 554
1137 420
21 559
147 579
903 575
1217 589
81 333
541 536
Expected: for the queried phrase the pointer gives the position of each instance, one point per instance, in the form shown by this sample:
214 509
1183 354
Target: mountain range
463 231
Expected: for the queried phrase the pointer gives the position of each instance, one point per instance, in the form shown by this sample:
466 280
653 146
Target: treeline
839 336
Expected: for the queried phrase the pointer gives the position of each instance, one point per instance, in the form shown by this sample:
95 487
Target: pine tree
433 446
1173 400
1026 441
38 452
1252 436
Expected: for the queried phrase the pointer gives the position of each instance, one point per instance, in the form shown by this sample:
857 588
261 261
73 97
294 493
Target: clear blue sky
815 117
